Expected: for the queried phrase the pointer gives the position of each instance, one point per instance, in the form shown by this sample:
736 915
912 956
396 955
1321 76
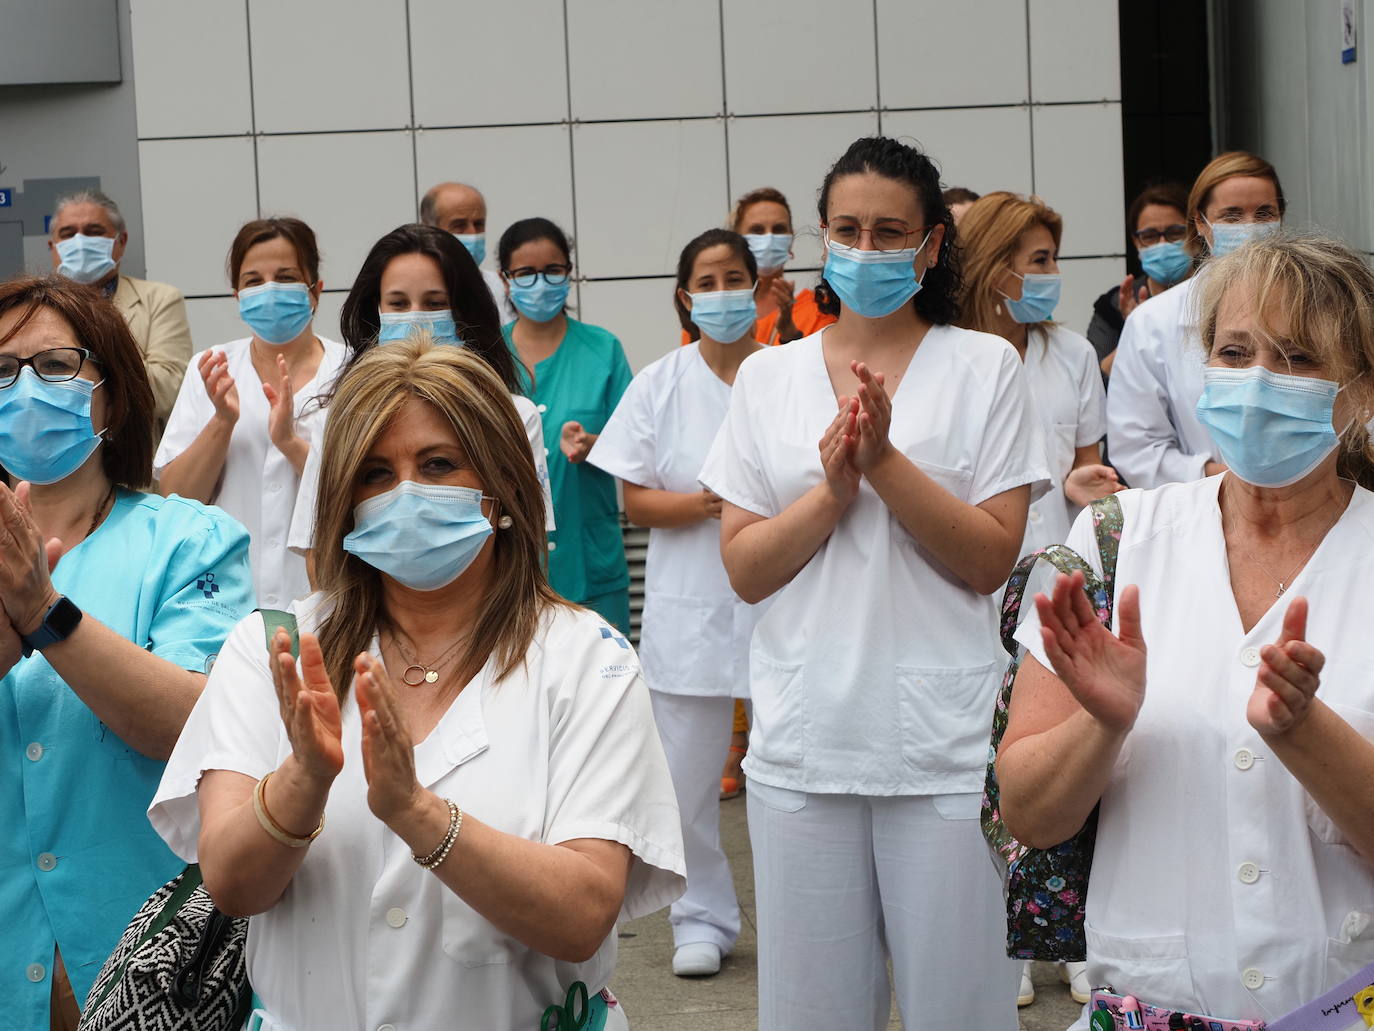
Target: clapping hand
224 394
837 452
26 561
388 751
1104 671
281 418
575 442
1087 483
1288 678
874 418
309 707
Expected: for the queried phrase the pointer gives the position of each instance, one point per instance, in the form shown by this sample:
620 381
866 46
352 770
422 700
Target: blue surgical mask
45 428
542 300
277 313
86 259
725 315
1229 236
872 283
1271 429
422 535
476 243
1166 263
398 325
1039 295
771 250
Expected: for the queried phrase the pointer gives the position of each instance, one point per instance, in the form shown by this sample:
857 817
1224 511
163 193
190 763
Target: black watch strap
58 623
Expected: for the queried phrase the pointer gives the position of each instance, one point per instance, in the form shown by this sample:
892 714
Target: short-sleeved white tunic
874 671
564 748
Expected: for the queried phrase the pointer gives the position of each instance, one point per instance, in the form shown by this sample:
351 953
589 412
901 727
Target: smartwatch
58 623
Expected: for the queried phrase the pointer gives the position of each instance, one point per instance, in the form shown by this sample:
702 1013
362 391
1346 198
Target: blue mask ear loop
1019 276
925 240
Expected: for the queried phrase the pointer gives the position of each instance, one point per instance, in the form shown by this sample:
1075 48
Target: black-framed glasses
554 275
1149 237
886 236
57 365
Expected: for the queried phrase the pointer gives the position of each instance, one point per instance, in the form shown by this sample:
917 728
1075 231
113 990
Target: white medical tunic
1153 433
258 486
875 669
564 748
1064 382
496 286
301 535
694 637
1218 886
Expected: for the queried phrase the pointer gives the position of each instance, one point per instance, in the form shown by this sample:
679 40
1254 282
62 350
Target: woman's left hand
26 589
575 442
1288 678
875 418
1087 483
783 293
388 751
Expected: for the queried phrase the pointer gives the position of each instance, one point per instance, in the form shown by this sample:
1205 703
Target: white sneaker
696 959
1026 995
1075 975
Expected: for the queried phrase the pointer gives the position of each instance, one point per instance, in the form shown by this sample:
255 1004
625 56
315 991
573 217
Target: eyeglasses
57 365
554 275
1149 237
889 236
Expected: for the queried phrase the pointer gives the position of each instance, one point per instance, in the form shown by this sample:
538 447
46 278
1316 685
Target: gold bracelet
455 824
272 827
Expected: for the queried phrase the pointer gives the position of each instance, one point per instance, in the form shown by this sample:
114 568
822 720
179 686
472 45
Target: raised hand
1087 483
26 561
1288 678
874 418
224 393
837 452
388 751
281 418
783 293
1104 671
1128 297
575 442
309 707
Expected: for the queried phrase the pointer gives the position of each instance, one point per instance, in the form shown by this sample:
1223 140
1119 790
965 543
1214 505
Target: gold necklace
1284 583
417 672
95 519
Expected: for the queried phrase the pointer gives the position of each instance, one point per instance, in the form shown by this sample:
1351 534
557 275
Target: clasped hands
1105 671
26 564
310 712
856 441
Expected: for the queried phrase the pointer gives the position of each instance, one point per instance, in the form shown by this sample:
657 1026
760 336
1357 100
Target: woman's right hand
1104 671
309 707
837 449
224 393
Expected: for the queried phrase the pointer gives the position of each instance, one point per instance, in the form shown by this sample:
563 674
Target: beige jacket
156 314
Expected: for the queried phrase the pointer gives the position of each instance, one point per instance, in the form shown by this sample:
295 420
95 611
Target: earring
505 522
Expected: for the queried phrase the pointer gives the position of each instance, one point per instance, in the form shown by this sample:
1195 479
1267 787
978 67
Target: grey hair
92 197
429 203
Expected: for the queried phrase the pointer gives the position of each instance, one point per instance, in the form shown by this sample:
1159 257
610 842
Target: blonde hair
1231 165
474 401
1325 291
988 236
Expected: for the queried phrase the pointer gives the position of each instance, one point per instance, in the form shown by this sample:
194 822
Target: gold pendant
419 673
431 677
1279 593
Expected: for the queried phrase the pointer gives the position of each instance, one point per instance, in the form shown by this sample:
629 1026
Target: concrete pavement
655 1000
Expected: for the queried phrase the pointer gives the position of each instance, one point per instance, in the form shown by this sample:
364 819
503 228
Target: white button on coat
47 862
254 462
1252 979
1248 873
34 752
35 972
1250 656
396 917
1244 758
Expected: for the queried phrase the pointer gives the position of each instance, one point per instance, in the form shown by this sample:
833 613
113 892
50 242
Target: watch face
63 618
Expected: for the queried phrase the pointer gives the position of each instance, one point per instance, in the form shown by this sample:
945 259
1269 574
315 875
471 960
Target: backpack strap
277 619
1107 523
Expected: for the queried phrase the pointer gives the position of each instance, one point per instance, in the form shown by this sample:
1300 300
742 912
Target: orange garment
805 314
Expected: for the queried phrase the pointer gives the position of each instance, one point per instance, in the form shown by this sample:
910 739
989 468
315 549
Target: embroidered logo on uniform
607 634
207 586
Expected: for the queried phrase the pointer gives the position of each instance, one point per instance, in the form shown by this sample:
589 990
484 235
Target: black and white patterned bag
178 967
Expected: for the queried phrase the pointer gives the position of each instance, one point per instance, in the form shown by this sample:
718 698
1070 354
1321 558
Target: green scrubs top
77 853
582 382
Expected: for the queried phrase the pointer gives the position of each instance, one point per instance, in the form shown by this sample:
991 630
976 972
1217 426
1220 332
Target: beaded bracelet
272 827
455 824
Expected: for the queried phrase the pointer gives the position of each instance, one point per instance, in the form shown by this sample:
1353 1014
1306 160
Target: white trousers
696 737
845 882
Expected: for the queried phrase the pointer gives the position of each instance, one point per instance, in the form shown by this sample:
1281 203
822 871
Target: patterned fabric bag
180 965
1046 889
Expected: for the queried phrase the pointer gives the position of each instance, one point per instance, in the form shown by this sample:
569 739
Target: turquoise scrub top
77 853
582 381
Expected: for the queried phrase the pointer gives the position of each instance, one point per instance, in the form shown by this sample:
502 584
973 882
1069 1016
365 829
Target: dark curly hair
938 298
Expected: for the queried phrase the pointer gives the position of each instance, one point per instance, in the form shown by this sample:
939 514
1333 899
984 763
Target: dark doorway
1166 103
